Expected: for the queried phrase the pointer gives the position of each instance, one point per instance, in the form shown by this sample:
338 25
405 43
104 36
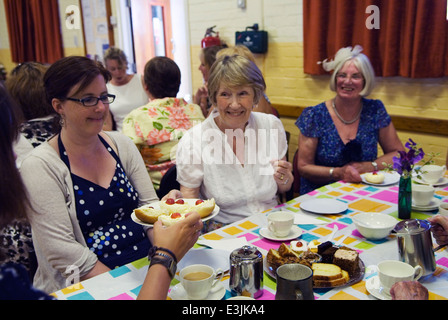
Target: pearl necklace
342 119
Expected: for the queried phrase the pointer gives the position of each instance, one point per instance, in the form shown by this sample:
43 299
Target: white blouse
205 159
127 98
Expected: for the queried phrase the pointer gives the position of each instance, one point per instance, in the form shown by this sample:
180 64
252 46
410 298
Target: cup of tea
422 195
432 173
294 282
392 271
443 209
280 223
199 279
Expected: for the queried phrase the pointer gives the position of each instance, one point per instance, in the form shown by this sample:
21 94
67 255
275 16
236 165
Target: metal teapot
246 272
415 244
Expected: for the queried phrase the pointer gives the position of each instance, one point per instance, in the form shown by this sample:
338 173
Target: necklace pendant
342 119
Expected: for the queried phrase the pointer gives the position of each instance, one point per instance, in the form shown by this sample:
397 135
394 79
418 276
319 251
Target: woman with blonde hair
338 138
235 156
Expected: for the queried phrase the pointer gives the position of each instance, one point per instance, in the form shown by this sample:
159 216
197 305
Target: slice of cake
347 260
328 275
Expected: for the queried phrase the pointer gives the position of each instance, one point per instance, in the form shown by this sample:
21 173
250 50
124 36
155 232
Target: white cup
432 173
392 271
280 223
199 279
443 209
422 195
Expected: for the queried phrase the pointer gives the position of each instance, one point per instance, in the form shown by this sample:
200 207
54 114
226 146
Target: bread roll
205 208
148 214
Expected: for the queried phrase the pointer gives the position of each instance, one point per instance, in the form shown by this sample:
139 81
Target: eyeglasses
354 77
93 101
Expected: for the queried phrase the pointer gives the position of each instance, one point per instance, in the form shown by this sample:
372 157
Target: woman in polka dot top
84 183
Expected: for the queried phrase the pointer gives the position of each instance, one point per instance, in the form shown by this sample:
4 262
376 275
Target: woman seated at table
235 156
157 126
84 183
339 137
14 280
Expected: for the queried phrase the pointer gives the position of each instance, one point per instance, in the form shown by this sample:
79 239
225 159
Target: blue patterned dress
331 151
104 216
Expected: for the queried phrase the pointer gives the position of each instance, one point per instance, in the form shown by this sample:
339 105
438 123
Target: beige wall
282 65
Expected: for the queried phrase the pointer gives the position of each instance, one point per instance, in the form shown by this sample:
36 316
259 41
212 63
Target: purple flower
404 163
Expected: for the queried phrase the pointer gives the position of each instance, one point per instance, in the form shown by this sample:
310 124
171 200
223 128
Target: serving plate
156 205
354 278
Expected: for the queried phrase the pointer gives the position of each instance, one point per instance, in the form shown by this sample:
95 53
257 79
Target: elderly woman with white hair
339 138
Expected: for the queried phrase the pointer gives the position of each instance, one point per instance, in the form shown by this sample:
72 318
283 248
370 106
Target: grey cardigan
62 253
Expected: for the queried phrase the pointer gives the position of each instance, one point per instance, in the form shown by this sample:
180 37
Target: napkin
302 218
224 244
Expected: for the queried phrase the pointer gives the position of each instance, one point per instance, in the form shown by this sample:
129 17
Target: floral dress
156 129
331 151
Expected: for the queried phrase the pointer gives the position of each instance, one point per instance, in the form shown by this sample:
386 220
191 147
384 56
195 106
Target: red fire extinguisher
210 40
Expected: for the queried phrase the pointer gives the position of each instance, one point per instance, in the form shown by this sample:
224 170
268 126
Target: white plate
178 292
433 205
373 286
295 232
324 206
215 258
441 182
156 205
390 178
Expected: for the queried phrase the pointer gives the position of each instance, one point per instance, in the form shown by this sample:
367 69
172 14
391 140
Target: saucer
178 292
373 286
442 181
295 232
433 205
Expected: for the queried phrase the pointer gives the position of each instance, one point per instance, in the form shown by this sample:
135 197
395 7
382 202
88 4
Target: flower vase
405 197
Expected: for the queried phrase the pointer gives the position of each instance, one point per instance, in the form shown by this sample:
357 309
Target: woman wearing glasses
84 183
338 138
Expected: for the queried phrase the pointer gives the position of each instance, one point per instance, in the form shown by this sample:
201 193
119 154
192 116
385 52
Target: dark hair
25 85
68 72
210 54
162 77
13 197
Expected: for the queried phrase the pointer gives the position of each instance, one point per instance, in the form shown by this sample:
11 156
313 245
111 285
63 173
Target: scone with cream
374 177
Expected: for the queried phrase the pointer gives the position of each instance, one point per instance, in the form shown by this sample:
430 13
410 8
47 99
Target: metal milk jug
415 244
246 272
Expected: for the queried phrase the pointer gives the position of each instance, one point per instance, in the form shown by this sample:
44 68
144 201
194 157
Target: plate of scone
171 211
332 266
380 178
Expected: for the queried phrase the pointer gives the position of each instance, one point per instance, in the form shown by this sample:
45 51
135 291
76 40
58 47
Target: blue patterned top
104 215
331 151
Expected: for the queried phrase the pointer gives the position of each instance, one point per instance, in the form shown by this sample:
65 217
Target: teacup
422 195
443 209
199 279
280 223
432 173
392 271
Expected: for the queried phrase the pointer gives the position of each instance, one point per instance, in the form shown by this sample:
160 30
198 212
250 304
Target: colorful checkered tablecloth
125 282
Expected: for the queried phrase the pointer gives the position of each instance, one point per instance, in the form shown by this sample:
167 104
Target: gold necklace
342 119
